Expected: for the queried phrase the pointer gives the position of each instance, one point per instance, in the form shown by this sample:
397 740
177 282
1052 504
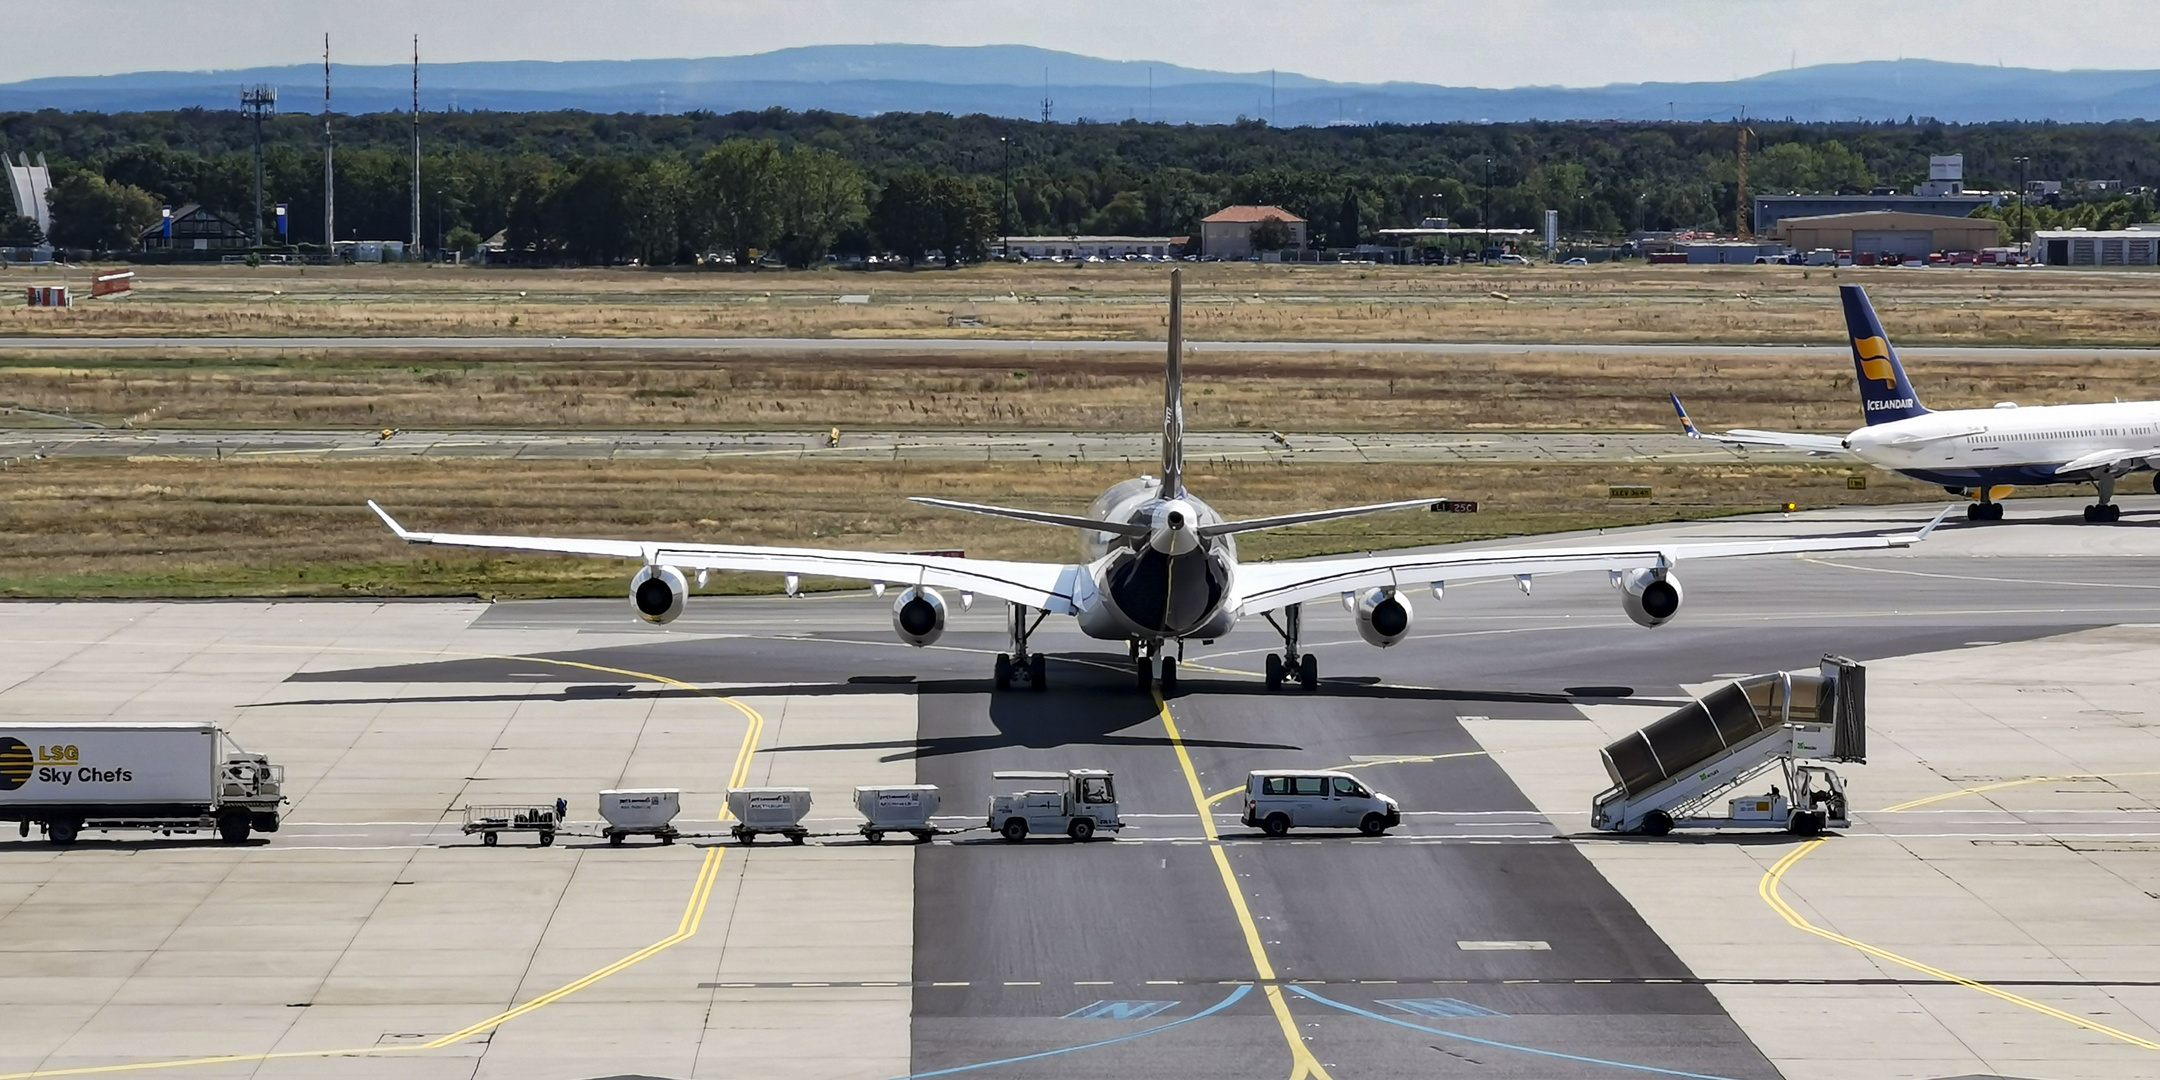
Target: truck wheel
61 831
233 828
1373 824
1015 829
615 840
1081 829
264 822
1276 825
547 839
487 839
1656 823
874 836
1805 823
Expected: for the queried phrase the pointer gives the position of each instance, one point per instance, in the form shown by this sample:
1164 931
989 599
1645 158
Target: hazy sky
1493 43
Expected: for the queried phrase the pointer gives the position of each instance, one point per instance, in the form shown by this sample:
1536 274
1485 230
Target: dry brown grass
196 528
1227 301
1070 391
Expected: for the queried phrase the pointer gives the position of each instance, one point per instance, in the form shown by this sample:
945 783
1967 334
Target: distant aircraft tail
1173 434
1885 393
1686 424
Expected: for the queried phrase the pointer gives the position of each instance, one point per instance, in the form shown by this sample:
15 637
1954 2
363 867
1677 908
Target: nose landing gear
1151 667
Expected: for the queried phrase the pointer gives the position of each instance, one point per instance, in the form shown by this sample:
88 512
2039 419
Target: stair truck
1779 726
166 777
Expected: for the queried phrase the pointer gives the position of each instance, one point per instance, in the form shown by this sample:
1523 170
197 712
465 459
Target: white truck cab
1077 802
1278 800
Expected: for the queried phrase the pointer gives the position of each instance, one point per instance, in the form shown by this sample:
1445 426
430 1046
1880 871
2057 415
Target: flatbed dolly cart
492 821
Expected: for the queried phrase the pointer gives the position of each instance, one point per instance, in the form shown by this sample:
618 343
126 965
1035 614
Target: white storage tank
897 808
769 810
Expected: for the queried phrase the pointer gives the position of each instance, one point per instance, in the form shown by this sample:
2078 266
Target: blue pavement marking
1437 1008
1370 1015
1236 996
1121 1010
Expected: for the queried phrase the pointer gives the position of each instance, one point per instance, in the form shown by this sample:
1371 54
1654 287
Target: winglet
1686 424
390 521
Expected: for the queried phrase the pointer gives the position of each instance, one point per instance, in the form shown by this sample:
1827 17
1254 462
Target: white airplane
1984 453
1158 567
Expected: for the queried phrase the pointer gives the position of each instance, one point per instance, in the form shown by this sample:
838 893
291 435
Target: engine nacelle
657 592
1650 597
918 616
1383 616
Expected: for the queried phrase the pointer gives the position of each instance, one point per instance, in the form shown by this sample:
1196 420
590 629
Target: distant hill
1009 80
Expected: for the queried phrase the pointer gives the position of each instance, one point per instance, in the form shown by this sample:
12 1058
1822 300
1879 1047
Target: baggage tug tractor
1081 803
166 777
1671 774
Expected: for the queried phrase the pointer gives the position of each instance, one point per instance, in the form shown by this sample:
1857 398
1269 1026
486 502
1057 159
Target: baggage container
169 777
640 812
769 810
903 808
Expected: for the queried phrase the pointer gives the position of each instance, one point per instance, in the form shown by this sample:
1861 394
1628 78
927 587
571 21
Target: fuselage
1170 583
2007 445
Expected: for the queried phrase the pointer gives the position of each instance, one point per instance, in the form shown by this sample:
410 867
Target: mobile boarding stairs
1671 774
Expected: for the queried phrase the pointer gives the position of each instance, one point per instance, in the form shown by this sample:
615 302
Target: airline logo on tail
1874 353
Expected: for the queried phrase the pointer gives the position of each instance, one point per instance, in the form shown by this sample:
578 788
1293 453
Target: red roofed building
1232 232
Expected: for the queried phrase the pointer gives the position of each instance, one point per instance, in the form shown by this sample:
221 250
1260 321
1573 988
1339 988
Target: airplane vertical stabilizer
1885 393
1173 434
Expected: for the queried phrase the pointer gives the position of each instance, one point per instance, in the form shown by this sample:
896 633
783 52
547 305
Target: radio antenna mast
412 248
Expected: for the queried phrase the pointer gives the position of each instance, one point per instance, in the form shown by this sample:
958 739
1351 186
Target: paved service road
1142 448
1027 345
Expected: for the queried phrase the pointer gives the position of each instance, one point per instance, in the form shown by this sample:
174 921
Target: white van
1277 800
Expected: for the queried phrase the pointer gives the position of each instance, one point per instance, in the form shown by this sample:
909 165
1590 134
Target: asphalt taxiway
1992 911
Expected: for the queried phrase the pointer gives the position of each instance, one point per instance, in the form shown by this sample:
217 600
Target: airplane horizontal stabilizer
1283 520
1122 528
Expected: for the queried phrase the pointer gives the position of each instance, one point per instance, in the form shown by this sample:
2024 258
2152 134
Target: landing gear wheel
1308 675
1169 676
1001 672
1372 825
1039 672
1015 830
1274 672
1995 511
1276 825
1145 676
1081 829
1976 512
2103 513
1656 823
488 839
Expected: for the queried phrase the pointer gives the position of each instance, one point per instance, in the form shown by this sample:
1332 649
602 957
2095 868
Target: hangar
2138 245
1890 232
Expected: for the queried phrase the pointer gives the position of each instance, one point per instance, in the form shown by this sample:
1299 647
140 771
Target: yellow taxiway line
1302 1062
693 917
1769 890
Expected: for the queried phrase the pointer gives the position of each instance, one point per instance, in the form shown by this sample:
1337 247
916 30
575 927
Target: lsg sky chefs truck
65 778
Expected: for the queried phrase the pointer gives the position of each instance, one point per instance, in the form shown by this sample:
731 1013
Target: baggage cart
492 821
640 812
769 810
900 808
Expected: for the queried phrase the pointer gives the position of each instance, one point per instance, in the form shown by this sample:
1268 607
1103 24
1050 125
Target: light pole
1485 210
1005 203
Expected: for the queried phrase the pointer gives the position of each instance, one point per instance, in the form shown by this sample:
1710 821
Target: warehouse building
1228 232
1101 247
2138 245
1887 232
1942 195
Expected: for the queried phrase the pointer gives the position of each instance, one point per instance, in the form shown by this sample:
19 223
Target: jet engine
1383 616
657 592
918 616
1650 597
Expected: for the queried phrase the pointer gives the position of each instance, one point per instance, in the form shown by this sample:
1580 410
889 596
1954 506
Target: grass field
163 528
1229 301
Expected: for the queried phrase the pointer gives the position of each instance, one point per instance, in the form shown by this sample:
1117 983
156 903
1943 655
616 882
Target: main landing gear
2105 511
1151 667
1985 510
1021 664
1290 665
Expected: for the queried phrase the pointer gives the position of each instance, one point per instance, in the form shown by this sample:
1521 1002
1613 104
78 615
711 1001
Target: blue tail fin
1885 393
1686 424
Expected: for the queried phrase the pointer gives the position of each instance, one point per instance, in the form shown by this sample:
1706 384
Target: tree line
800 185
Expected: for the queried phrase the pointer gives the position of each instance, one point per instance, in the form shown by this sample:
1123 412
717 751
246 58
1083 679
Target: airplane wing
1048 586
2112 461
1268 586
1781 440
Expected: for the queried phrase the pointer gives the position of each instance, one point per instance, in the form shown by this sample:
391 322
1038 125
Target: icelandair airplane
1158 567
1984 453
